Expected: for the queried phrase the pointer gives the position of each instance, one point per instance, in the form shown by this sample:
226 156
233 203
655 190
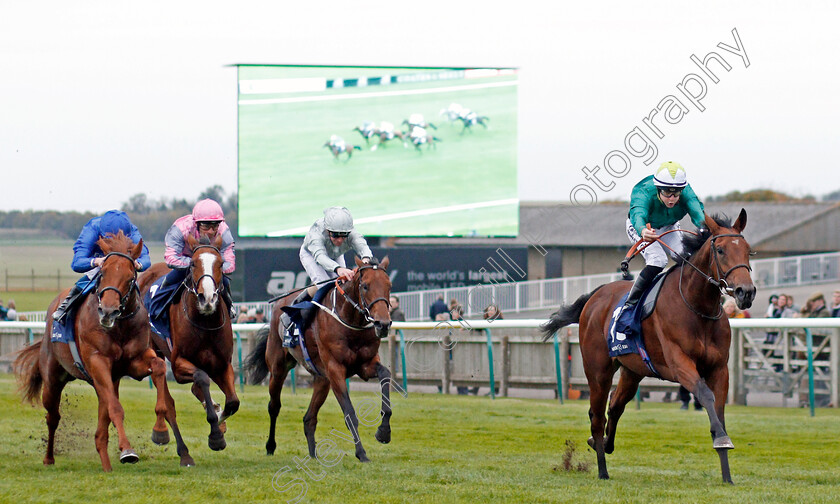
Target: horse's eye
753 252
720 250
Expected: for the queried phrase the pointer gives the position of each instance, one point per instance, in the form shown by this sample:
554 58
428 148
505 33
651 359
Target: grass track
444 449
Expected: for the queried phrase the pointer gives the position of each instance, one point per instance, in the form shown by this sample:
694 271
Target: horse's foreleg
320 390
719 388
336 375
110 411
150 364
383 433
227 383
628 384
185 371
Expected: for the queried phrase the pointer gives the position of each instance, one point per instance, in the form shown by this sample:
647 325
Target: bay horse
686 336
112 334
342 341
201 337
338 146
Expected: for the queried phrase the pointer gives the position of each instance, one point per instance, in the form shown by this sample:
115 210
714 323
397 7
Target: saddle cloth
63 331
298 320
157 302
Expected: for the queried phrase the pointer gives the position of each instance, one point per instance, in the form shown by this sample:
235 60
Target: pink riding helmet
207 210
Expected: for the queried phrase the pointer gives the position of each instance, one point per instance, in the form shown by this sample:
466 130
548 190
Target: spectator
791 305
3 311
11 311
492 312
815 307
247 317
397 315
730 307
456 311
773 304
259 316
437 308
835 303
784 310
685 398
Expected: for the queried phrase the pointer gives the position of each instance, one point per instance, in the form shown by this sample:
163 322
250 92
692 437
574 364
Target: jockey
337 142
657 204
207 219
88 257
323 249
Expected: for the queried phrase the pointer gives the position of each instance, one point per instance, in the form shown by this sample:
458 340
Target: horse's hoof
129 457
604 476
216 444
723 443
363 458
160 438
383 436
187 461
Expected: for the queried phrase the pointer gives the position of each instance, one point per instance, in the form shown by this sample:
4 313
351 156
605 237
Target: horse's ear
217 242
384 263
191 241
741 222
711 225
104 245
359 262
137 249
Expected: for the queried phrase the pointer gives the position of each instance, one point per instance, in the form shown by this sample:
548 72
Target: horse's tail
255 364
357 147
28 371
567 314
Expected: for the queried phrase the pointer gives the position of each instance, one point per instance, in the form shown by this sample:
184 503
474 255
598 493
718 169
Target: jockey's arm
175 245
85 250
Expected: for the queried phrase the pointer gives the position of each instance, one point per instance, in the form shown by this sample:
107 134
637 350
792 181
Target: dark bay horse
112 334
202 338
342 341
687 337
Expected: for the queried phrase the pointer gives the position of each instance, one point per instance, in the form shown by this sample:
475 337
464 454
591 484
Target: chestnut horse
202 338
686 337
342 341
112 334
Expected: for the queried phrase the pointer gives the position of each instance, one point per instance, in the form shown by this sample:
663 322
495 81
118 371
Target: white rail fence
798 358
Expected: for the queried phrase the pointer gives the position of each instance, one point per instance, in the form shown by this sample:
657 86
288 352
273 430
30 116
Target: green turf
287 177
444 449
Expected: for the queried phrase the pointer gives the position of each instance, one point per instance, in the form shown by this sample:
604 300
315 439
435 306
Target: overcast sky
100 100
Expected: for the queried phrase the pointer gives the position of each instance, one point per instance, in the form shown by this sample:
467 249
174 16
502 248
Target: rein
364 309
131 288
719 283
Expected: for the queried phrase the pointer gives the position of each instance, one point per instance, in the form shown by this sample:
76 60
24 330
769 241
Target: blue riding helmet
113 222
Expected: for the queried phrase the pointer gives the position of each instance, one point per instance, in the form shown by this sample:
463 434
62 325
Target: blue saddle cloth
62 331
296 316
625 332
157 302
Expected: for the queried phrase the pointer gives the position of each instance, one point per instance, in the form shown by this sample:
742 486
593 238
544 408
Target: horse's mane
204 240
119 242
692 243
374 261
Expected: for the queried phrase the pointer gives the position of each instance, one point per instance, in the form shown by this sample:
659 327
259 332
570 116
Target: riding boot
74 293
229 302
288 327
643 281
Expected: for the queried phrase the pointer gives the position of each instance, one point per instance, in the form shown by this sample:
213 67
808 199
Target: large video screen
410 151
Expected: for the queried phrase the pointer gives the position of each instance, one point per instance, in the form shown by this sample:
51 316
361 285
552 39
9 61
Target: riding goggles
336 234
670 191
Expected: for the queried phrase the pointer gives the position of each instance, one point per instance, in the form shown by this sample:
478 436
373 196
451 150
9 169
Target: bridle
131 287
714 260
364 308
190 286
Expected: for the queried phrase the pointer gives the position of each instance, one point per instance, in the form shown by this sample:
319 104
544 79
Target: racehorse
420 136
686 337
342 341
337 147
112 333
470 119
367 130
417 121
386 132
452 113
202 338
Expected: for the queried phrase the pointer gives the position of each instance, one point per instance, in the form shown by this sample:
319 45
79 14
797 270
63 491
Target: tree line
152 217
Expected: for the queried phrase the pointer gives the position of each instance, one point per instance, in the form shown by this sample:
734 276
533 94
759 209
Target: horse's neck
344 308
696 287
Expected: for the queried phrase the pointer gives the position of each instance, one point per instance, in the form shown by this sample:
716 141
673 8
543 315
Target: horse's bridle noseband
131 287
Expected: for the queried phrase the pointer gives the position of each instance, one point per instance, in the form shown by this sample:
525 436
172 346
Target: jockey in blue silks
88 257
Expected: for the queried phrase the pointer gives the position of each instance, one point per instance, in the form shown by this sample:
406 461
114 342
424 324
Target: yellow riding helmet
670 174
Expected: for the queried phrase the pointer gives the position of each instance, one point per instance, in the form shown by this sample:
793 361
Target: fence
40 281
802 360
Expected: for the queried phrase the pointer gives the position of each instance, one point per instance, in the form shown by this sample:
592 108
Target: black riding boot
59 312
227 299
643 281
